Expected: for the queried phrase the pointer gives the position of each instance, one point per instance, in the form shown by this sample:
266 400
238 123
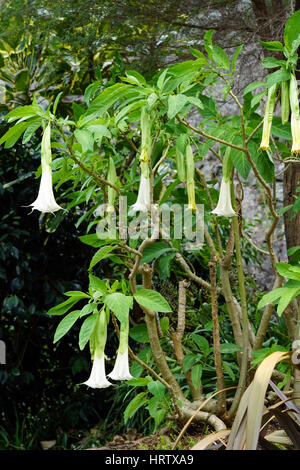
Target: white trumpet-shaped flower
98 378
98 338
143 202
45 202
295 126
224 206
121 368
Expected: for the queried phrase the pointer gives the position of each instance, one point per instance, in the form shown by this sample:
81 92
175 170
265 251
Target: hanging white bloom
45 202
121 368
97 378
98 338
143 203
224 206
295 114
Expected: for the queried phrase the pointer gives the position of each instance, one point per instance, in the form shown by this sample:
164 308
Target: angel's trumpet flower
111 178
190 170
97 377
45 202
121 368
295 116
285 102
143 202
224 206
268 118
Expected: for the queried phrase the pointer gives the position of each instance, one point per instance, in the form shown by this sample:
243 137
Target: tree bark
271 21
292 227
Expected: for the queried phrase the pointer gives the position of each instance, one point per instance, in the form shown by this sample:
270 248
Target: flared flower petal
45 202
121 368
97 378
143 202
295 126
224 206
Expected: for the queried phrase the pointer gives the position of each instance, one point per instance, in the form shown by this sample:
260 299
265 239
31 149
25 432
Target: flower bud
268 117
295 117
145 135
180 158
111 178
190 171
285 102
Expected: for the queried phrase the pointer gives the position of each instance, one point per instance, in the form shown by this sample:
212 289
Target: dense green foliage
102 128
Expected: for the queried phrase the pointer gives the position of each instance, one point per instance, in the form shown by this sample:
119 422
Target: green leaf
272 62
292 30
137 402
263 162
22 80
253 86
270 297
77 293
92 240
164 265
198 55
286 298
154 251
56 102
22 112
139 333
291 251
157 389
13 134
85 138
235 56
152 300
97 284
63 307
189 360
140 382
272 45
228 369
286 270
87 309
99 131
229 348
281 75
87 329
139 78
196 375
257 98
119 304
66 324
239 160
107 98
220 57
201 342
100 254
175 104
32 127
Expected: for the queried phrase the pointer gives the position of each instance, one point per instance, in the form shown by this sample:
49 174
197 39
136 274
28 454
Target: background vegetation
64 47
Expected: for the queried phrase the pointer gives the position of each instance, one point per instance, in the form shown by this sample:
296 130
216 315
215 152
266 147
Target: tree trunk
292 227
271 21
